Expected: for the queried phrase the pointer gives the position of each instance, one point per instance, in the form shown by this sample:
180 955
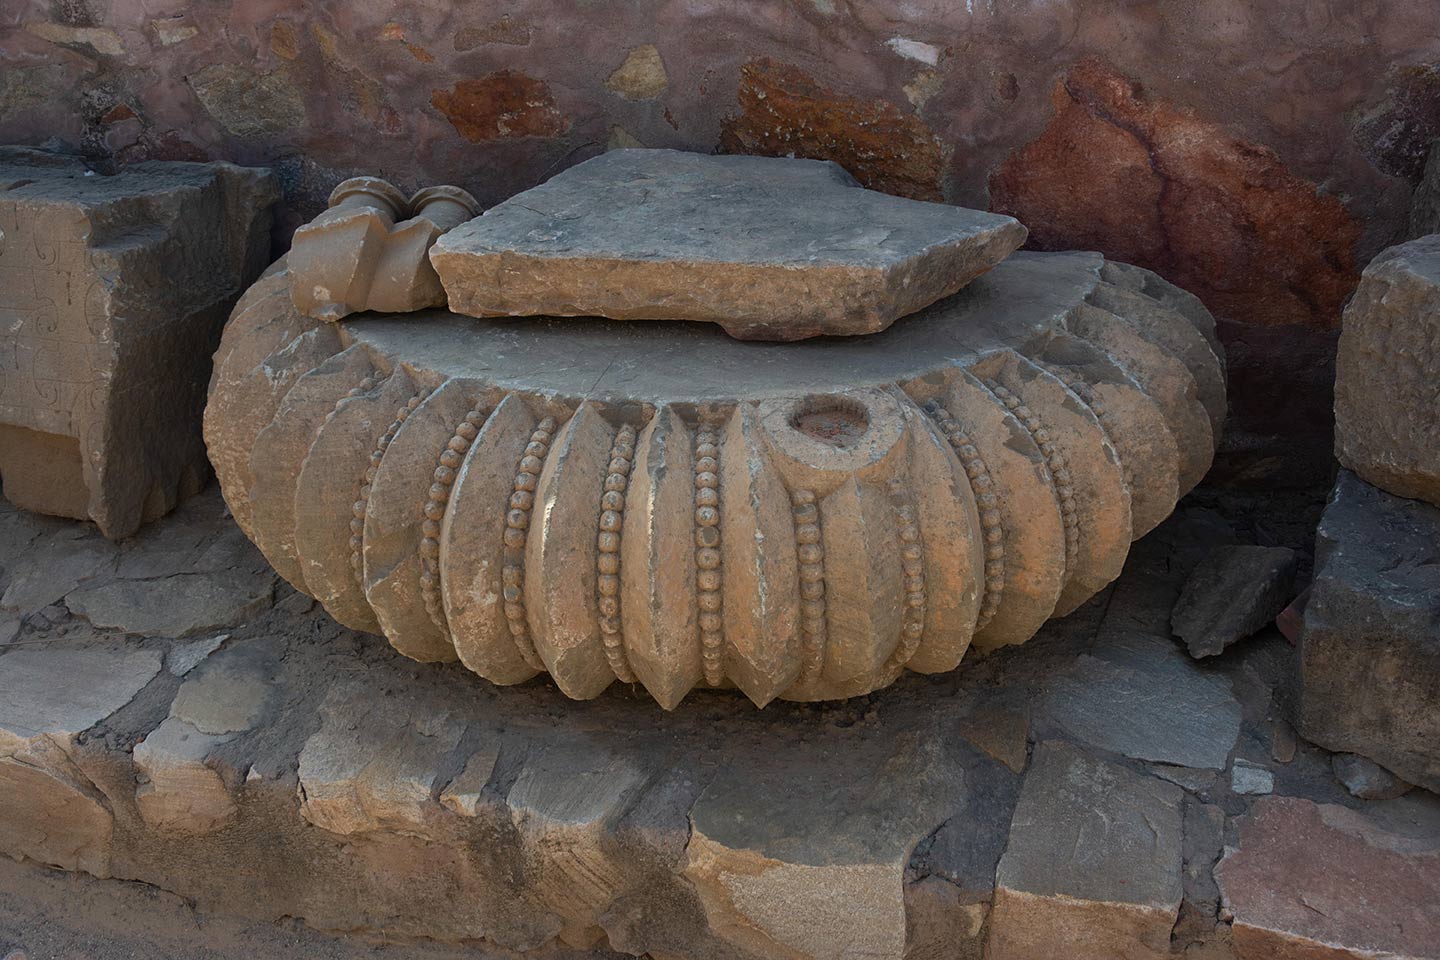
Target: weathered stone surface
501 106
567 498
118 286
1319 882
821 878
178 606
1387 373
1093 862
1152 706
374 764
1366 779
1234 592
770 249
1425 204
1370 647
49 810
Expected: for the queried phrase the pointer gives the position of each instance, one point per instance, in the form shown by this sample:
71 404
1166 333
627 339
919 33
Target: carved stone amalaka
662 504
361 255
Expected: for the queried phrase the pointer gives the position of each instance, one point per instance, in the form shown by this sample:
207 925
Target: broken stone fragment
769 248
1366 779
360 255
117 286
1233 592
1387 373
1093 862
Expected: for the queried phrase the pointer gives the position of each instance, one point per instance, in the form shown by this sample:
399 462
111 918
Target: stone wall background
1258 152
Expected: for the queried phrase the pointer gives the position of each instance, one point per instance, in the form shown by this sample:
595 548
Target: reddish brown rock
1320 882
785 112
1152 183
501 106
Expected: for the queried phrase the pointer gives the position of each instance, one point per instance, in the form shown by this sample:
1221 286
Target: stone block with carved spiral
656 503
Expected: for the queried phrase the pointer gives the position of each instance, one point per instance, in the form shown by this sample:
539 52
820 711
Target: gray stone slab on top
769 248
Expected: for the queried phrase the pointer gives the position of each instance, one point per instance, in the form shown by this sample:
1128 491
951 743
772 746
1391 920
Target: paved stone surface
1151 706
822 876
1366 779
1320 882
1094 862
1387 373
50 811
1370 648
1234 592
770 249
119 285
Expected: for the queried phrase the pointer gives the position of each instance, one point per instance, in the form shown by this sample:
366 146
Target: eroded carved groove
810 549
912 566
434 513
708 574
362 490
607 561
1086 393
982 486
1059 470
517 527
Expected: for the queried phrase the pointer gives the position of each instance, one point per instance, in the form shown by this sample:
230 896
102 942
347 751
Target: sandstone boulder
770 249
113 290
1370 646
1387 373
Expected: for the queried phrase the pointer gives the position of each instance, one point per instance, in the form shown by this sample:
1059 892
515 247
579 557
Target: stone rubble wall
1258 154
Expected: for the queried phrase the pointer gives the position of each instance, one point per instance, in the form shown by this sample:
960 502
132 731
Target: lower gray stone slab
1370 647
1093 862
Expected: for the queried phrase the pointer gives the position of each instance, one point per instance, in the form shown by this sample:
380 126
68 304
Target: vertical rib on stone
280 450
472 551
662 635
561 552
411 480
1034 533
1164 377
1172 332
952 546
1058 420
1131 419
760 583
332 480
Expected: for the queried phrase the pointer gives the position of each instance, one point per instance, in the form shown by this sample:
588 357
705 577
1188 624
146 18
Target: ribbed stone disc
658 503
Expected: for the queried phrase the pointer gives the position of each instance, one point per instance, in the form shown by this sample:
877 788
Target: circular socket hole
837 421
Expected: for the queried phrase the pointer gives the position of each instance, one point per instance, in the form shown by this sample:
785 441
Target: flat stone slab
769 248
1321 882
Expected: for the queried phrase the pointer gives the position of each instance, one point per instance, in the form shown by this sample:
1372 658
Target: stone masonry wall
1258 153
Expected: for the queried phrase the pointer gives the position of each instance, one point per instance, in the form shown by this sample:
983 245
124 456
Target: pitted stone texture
49 810
1094 862
1321 882
770 249
821 877
1370 645
116 287
1387 373
611 500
